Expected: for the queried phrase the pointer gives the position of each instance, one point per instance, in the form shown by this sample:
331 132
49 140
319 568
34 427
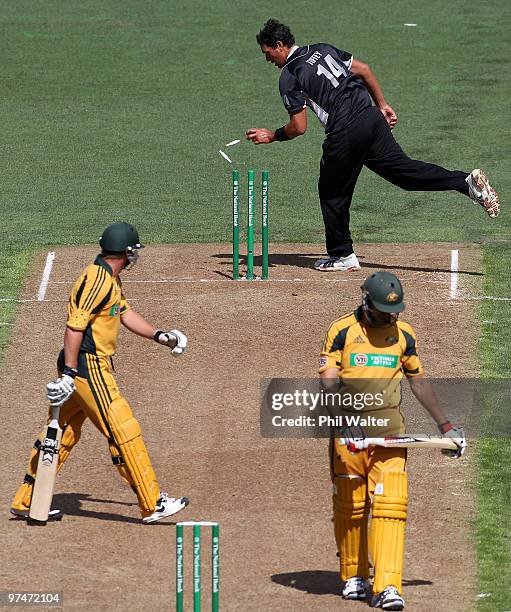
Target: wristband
445 427
67 371
281 135
157 335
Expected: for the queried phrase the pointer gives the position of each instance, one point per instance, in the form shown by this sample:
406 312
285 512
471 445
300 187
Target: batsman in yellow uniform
373 344
86 387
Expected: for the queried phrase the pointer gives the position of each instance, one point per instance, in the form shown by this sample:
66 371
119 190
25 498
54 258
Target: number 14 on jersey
336 70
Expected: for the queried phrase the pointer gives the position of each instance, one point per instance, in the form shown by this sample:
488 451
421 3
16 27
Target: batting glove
60 390
355 445
354 439
457 435
174 339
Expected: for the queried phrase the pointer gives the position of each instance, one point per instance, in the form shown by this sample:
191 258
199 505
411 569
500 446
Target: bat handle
55 412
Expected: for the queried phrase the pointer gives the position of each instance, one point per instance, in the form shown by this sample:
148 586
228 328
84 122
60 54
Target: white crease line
46 276
225 280
455 257
489 298
321 279
492 298
27 301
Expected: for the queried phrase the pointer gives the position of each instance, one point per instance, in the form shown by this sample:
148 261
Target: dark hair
272 32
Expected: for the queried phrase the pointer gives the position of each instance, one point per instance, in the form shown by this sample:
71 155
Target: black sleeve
293 97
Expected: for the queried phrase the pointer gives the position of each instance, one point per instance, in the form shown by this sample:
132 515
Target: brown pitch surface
200 418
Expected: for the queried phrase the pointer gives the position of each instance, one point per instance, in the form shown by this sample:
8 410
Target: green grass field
493 540
117 111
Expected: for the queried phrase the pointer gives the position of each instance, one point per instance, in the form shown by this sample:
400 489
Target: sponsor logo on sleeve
115 311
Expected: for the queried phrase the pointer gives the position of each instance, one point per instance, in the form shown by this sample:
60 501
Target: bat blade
409 442
419 441
44 485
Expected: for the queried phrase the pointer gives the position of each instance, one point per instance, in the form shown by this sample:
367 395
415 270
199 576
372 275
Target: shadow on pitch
315 582
320 582
306 260
380 266
71 504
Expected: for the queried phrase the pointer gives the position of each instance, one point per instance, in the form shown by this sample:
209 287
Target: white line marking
223 280
232 143
455 258
492 298
410 25
46 276
320 278
224 156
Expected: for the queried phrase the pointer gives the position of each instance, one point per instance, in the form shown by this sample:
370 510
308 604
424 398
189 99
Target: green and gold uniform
95 307
373 480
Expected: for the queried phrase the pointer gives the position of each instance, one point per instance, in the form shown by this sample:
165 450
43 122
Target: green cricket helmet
382 299
122 237
119 237
384 292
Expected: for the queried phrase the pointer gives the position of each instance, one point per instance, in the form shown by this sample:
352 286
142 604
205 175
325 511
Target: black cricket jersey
319 76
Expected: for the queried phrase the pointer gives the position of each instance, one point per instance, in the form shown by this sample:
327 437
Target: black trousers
369 142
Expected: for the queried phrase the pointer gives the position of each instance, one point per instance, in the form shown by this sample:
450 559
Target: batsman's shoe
166 506
338 264
388 599
481 192
22 515
355 588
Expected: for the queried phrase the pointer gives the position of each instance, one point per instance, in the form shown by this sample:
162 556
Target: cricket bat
408 442
42 494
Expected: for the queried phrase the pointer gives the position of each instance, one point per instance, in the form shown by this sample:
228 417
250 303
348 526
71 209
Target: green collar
99 261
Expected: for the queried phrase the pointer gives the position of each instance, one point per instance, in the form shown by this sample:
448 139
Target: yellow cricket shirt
95 307
374 359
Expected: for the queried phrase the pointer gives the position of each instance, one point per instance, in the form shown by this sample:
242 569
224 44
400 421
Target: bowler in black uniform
341 91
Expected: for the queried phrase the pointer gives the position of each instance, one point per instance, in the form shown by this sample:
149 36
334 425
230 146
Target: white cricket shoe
338 264
22 515
166 506
355 588
388 599
482 193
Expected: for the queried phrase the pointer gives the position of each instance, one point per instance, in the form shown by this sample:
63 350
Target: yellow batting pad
390 506
351 509
128 437
118 461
